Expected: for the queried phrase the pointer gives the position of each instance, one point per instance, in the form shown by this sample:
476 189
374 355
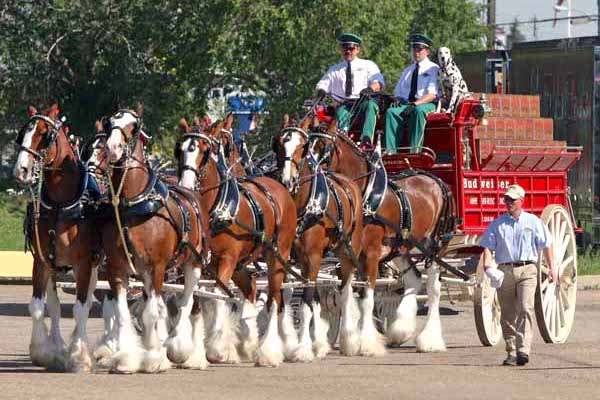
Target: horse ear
139 109
286 121
31 111
332 127
196 121
53 111
99 126
183 125
229 121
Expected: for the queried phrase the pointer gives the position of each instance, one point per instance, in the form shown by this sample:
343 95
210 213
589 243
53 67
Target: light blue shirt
516 239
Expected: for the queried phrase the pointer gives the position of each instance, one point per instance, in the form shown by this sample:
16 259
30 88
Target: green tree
94 54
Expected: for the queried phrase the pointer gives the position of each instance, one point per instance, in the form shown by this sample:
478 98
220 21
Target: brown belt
516 264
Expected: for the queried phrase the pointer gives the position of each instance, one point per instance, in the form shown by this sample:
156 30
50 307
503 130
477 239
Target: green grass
12 213
588 265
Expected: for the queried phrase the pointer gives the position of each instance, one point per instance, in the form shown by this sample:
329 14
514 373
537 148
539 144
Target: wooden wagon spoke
544 284
562 231
561 311
563 248
551 313
564 297
547 296
567 261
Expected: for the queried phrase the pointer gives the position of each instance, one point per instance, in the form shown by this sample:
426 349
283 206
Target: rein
38 175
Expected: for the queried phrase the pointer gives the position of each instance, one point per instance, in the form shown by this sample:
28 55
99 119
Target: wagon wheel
555 302
487 311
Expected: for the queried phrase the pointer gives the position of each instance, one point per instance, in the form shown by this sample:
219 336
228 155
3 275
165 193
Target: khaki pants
517 298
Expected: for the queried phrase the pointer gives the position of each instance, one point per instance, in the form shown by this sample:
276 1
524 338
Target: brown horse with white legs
251 219
413 209
60 233
329 218
155 226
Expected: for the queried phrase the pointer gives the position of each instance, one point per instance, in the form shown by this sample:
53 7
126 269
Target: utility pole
491 22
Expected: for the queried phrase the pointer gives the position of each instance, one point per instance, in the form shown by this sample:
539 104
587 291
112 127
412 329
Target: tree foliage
92 55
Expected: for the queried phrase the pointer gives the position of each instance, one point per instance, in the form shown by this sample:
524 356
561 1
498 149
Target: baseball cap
515 192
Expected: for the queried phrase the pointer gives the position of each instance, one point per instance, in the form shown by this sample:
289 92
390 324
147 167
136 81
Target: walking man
415 94
348 81
517 237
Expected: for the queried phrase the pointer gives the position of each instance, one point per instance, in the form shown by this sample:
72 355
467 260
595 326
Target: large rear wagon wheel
555 302
487 310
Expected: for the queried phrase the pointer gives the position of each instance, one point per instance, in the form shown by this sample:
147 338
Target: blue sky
525 10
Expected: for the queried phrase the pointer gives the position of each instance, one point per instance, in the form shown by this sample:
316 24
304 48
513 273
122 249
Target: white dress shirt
364 72
427 82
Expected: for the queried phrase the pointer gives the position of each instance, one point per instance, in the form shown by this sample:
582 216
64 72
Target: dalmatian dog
453 86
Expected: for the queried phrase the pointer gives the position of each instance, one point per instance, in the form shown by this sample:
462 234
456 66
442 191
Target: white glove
496 277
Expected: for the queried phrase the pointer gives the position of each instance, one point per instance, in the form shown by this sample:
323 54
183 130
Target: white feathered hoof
270 356
222 352
248 339
372 345
270 350
103 354
151 362
349 343
196 361
288 335
179 348
321 345
401 331
430 340
126 362
304 353
321 349
79 359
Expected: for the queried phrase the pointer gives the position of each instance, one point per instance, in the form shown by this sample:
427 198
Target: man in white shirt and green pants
416 92
352 80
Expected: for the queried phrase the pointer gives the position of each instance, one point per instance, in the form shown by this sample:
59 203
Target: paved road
465 371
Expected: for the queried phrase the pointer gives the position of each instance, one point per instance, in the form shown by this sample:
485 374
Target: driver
350 81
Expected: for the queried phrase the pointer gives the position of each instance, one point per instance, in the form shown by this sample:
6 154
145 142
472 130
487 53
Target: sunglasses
348 47
418 47
508 199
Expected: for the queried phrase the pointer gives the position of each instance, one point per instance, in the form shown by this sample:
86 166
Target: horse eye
192 146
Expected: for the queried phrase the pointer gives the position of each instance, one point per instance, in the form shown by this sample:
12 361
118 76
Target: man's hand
407 111
321 93
553 274
367 92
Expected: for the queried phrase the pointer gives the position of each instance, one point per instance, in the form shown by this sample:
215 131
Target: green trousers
369 108
394 127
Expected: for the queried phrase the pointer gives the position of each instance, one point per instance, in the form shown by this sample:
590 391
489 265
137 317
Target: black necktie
348 80
413 84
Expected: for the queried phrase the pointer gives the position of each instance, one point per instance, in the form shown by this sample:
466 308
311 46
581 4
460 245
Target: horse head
123 128
37 143
193 154
97 161
290 147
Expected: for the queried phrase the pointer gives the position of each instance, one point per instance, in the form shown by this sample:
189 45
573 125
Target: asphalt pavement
466 371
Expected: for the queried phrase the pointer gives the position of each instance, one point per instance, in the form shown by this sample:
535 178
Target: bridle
201 172
49 139
97 165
